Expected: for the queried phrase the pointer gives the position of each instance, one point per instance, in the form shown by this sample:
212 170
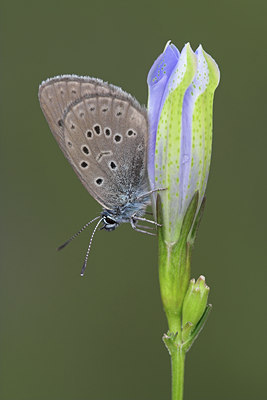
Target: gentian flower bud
181 89
195 303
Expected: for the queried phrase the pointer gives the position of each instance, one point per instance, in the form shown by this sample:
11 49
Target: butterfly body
126 213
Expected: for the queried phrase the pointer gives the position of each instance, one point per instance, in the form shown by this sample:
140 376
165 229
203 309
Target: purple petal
157 80
196 134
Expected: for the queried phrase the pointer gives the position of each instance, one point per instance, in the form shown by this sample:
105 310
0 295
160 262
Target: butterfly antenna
77 234
89 248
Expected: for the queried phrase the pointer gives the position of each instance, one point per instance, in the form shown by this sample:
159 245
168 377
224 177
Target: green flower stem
177 353
174 276
174 259
178 362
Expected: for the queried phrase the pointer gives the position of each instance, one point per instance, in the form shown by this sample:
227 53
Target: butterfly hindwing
103 133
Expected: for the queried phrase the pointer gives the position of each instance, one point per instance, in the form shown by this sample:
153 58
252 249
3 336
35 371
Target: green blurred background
64 337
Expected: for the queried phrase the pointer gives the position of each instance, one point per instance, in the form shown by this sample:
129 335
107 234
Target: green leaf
194 231
189 218
196 331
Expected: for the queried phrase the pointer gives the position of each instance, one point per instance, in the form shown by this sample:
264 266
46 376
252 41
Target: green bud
195 303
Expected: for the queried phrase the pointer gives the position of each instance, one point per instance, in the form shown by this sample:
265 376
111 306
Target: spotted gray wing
102 131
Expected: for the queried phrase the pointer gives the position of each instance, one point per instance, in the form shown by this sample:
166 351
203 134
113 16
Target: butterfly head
109 221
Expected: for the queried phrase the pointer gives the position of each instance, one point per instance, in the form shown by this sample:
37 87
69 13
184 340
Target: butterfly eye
109 221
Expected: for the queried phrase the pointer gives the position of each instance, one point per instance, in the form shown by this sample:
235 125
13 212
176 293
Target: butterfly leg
140 230
145 226
150 192
146 220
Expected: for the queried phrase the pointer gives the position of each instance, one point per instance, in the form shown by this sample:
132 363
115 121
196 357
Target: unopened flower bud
195 303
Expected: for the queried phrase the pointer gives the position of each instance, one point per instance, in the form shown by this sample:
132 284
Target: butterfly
103 132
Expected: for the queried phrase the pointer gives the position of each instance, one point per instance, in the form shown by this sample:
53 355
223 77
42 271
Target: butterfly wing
102 131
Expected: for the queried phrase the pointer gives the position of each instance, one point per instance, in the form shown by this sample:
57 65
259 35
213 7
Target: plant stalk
178 362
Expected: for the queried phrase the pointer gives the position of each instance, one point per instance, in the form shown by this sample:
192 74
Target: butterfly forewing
103 133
